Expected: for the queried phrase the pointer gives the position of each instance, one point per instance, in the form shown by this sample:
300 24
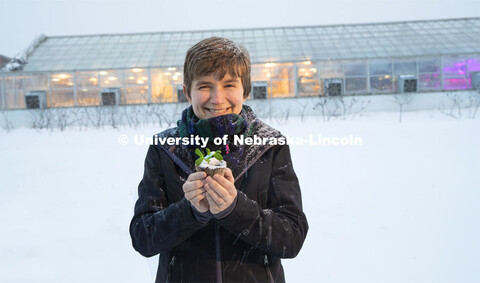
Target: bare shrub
95 116
112 117
7 121
42 119
403 99
158 113
454 110
283 115
322 105
357 106
134 115
336 106
64 117
474 104
303 108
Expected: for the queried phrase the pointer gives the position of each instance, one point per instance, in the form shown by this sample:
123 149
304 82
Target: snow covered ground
400 207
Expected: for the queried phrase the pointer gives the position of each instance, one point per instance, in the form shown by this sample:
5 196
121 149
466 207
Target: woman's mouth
217 111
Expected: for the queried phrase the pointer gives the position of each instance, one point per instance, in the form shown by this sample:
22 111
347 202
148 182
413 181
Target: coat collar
239 159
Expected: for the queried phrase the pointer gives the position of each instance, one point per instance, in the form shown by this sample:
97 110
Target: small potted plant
211 163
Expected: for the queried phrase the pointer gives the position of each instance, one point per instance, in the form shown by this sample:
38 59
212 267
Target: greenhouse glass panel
308 83
61 80
62 98
86 79
356 68
455 73
405 67
162 85
260 72
14 99
473 64
429 82
88 96
14 83
176 75
282 88
430 65
135 95
381 84
380 67
456 83
136 77
2 105
454 67
308 87
356 85
280 71
36 81
111 78
330 69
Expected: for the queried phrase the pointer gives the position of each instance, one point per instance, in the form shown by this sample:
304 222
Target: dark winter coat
266 224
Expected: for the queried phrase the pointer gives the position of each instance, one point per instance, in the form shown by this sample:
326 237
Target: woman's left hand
221 191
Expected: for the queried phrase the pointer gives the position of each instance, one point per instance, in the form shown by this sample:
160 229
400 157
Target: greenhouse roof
282 44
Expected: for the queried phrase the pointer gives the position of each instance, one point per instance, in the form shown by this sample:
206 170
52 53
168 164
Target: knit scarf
238 157
230 124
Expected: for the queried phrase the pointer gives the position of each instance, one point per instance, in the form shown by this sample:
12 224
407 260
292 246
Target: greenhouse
145 68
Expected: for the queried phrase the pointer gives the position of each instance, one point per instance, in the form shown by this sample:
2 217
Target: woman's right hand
195 192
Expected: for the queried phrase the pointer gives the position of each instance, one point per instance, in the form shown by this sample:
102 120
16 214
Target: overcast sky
22 20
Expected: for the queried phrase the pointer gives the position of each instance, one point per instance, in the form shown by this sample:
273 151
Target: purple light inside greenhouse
461 83
458 68
474 65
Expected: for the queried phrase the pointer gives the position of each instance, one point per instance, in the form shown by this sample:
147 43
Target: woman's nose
217 95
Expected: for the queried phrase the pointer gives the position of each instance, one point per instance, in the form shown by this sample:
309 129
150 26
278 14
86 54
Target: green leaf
208 151
199 153
199 161
218 156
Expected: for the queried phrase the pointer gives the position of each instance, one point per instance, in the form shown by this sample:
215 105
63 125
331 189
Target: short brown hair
217 54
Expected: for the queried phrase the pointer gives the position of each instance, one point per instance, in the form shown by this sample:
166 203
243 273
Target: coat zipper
267 268
218 259
170 269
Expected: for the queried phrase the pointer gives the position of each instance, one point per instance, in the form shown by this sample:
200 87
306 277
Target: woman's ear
187 95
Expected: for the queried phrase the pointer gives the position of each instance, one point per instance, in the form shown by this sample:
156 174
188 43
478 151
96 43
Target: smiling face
211 96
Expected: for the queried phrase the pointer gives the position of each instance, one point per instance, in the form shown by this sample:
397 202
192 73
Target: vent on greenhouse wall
259 90
407 83
332 87
476 80
180 94
36 100
110 96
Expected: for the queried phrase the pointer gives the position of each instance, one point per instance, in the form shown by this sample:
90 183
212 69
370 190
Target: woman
231 228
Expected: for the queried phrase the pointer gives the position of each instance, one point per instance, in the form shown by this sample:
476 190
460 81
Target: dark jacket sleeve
281 228
158 225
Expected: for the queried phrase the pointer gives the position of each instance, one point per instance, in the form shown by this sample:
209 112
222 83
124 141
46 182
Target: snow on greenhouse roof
283 44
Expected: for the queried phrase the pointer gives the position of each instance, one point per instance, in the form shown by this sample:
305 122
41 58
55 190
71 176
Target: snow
21 58
400 207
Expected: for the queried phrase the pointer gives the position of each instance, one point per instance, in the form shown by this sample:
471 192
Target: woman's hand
195 192
221 191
